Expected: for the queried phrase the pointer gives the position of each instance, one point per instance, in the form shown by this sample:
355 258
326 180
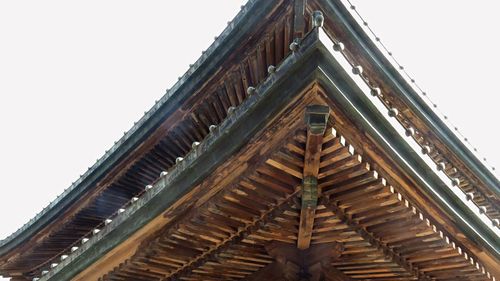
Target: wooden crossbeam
316 119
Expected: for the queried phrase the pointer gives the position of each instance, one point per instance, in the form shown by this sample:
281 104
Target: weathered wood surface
412 114
173 138
316 118
386 227
379 233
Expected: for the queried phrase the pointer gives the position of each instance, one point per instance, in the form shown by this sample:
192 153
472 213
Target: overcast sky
74 75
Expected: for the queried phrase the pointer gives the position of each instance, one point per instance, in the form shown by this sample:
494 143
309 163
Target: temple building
294 148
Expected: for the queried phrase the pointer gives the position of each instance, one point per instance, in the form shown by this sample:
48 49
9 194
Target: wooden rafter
316 119
333 274
370 238
235 238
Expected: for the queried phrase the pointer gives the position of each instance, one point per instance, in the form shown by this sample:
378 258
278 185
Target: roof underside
237 61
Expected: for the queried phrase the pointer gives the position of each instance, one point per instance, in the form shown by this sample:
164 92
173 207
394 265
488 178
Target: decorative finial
426 149
409 131
195 144
271 69
357 70
318 19
375 91
469 196
393 112
441 166
250 90
338 47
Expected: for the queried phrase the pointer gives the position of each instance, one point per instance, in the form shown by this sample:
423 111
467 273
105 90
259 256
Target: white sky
74 75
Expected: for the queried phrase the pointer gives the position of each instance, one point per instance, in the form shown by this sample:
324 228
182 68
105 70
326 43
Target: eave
356 104
316 63
363 50
169 105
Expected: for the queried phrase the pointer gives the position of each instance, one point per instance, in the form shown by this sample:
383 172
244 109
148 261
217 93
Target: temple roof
233 73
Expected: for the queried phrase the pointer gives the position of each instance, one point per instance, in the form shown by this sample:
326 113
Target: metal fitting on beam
409 131
393 112
357 70
309 192
338 47
375 91
441 166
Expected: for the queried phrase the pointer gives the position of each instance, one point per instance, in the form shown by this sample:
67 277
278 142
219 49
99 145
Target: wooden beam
299 21
316 119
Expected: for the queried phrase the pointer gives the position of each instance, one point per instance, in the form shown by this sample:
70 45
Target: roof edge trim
251 14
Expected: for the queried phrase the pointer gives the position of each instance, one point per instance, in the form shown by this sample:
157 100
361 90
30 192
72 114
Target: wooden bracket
292 264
